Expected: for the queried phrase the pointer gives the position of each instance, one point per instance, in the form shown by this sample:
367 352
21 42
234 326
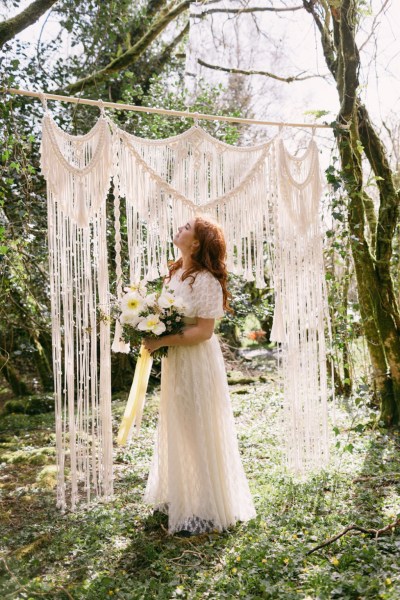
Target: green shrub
36 405
14 407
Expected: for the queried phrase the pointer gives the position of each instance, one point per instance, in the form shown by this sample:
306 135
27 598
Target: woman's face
184 239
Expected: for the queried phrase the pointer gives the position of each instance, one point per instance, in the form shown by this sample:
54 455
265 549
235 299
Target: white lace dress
197 475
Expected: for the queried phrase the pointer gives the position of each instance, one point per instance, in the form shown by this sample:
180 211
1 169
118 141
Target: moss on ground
119 549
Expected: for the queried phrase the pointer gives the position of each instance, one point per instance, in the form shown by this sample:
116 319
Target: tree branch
244 72
148 70
388 208
163 58
374 25
375 532
11 27
351 61
131 55
326 39
247 9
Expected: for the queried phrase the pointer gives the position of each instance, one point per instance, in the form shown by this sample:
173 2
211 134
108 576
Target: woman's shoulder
205 277
176 274
209 294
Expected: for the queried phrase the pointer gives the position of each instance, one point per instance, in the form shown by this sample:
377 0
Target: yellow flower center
151 322
133 303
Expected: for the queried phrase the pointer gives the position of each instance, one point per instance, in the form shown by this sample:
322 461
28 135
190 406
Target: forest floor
118 549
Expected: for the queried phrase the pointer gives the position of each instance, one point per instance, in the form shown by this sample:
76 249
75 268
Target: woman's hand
151 344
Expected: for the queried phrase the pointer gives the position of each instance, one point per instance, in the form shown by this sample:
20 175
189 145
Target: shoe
184 533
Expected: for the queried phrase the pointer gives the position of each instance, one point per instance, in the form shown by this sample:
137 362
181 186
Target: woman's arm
194 334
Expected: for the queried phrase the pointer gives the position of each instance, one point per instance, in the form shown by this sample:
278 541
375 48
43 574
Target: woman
196 475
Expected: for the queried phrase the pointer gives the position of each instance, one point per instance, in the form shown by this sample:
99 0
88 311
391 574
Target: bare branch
326 39
245 72
374 532
149 69
131 55
374 25
11 27
395 142
247 9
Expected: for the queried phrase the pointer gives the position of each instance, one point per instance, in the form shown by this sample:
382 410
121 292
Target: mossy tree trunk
11 27
356 138
17 385
43 359
347 375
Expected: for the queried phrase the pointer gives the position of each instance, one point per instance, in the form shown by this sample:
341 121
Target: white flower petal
166 300
142 325
159 328
131 319
132 302
151 299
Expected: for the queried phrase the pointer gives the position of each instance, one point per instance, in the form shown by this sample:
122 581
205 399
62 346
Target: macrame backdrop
267 204
300 314
77 170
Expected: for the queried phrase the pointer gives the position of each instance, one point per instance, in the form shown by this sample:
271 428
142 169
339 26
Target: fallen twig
198 554
374 532
25 589
369 477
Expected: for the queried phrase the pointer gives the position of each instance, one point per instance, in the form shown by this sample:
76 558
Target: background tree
135 53
103 31
357 139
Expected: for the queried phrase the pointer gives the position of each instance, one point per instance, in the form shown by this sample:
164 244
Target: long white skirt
197 475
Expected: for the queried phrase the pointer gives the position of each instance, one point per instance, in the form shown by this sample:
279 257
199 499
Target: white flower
151 299
152 323
167 300
130 318
140 287
179 303
132 302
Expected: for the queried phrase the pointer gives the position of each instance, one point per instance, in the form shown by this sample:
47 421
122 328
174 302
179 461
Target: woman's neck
186 261
186 264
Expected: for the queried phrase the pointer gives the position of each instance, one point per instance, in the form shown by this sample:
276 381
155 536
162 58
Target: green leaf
348 448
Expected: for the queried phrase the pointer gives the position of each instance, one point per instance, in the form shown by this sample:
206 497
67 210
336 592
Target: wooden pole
160 111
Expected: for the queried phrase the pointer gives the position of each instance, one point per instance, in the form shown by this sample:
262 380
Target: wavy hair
210 255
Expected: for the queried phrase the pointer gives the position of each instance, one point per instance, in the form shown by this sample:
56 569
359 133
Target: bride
196 476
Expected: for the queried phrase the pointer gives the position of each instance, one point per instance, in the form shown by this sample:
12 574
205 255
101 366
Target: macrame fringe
167 182
77 170
301 310
119 344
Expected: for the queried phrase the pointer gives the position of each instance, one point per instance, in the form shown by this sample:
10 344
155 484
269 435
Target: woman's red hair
210 255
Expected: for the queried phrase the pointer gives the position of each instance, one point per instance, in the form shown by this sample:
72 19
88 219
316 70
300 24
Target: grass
118 549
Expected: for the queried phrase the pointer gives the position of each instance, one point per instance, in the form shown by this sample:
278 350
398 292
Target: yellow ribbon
134 409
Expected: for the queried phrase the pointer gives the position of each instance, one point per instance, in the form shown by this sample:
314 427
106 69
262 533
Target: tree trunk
43 361
378 306
347 376
123 368
18 387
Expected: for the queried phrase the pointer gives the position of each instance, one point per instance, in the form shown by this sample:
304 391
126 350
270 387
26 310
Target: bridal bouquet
144 314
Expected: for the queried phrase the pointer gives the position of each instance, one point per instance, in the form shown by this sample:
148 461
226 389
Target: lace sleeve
209 298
